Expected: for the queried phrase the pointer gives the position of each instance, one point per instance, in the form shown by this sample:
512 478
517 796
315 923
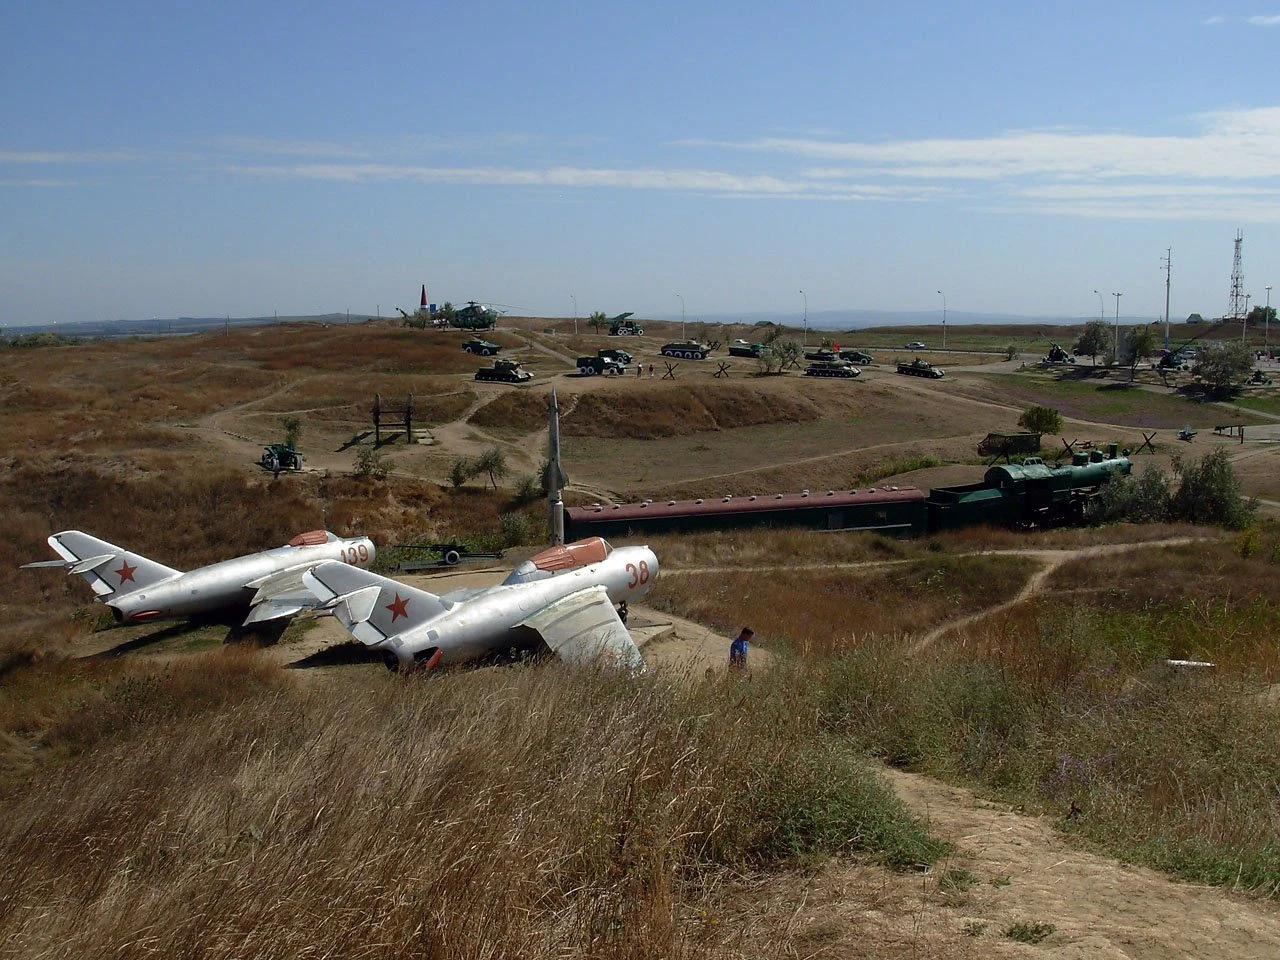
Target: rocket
556 480
423 304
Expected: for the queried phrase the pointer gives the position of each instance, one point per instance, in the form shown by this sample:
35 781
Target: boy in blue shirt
738 650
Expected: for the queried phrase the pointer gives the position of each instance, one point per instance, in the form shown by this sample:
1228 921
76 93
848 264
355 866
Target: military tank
506 371
832 368
920 368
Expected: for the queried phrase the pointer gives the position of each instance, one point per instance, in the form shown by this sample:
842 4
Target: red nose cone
424 295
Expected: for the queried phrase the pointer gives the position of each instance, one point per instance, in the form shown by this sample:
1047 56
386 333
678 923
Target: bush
372 463
515 528
1209 492
1144 499
460 471
1041 420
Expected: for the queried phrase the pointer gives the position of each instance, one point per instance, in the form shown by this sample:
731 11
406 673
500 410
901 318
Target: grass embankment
514 813
1062 703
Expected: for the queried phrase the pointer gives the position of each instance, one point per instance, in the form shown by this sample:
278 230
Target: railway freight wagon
896 511
1024 494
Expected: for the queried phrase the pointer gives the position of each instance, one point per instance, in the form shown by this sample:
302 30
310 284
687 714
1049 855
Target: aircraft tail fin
108 569
371 607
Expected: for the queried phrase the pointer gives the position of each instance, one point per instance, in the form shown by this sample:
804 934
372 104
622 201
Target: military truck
507 371
280 456
592 366
620 326
618 356
920 368
832 368
481 346
686 350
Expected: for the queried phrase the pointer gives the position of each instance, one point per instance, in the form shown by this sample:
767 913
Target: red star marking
125 573
398 609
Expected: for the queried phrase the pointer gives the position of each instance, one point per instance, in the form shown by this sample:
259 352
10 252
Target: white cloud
64 156
1270 21
38 182
711 182
1213 21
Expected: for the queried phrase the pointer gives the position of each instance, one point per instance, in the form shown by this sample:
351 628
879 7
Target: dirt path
1049 560
1008 868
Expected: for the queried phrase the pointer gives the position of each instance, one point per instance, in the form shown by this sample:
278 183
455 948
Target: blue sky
304 158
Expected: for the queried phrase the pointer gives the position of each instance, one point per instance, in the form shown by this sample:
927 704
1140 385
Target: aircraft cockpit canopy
558 559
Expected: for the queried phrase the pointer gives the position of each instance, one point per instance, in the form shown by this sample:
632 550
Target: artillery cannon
280 456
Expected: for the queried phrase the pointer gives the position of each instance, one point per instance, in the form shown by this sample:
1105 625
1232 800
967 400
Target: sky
239 159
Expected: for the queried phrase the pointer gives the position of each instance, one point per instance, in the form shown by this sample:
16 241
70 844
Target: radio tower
1236 310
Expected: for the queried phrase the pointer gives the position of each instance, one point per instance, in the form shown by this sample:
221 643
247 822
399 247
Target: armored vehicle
740 348
920 368
481 346
590 366
856 356
280 456
508 371
831 368
686 350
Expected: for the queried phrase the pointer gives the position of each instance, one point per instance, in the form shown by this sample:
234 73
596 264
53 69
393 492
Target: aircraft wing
584 628
280 594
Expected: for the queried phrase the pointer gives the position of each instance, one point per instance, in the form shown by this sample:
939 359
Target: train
1020 495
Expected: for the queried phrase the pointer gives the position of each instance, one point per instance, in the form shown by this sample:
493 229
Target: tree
460 471
292 431
1094 340
597 320
446 313
1139 343
1259 315
1223 365
1041 420
493 462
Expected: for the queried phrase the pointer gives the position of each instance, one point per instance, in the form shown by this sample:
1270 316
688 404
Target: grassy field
189 796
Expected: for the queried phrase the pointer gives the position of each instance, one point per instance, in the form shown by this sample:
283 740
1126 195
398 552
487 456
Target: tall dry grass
1064 702
523 812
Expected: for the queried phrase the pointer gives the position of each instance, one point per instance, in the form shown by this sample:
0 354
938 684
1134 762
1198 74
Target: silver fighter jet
268 583
564 598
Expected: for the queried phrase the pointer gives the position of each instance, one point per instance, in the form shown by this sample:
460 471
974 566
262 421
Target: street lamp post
575 314
1266 325
1116 349
806 317
944 319
1101 307
682 336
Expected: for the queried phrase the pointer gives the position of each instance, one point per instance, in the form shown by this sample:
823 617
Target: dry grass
477 814
821 613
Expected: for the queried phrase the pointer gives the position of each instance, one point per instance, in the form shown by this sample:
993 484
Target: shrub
1041 420
460 471
372 463
1209 492
515 528
1144 499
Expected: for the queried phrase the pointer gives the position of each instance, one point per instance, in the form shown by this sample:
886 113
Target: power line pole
1235 306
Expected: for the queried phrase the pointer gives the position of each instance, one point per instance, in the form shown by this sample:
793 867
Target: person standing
738 650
